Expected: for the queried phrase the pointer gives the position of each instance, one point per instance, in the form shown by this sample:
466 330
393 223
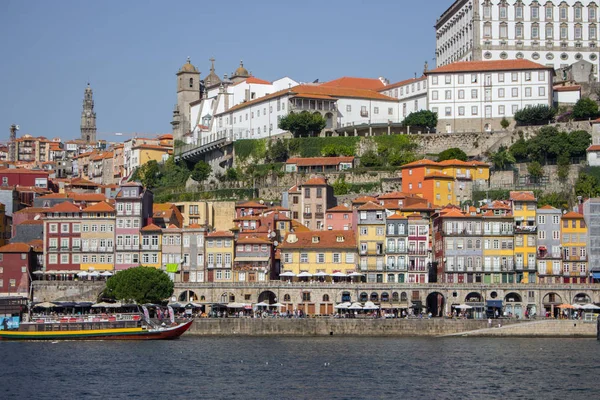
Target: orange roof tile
495 65
370 206
402 83
355 83
150 228
594 147
547 207
220 234
22 171
574 88
396 216
364 199
420 163
54 196
251 204
15 248
251 240
522 196
395 195
327 240
318 161
438 175
572 215
340 208
100 207
64 207
254 80
194 226
32 222
318 181
86 196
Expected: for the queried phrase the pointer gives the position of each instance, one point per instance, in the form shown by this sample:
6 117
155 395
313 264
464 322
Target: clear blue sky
130 50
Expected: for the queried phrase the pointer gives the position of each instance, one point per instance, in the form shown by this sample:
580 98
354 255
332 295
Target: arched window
395 296
224 298
374 296
385 296
202 298
363 297
325 298
191 82
286 297
346 297
403 297
231 298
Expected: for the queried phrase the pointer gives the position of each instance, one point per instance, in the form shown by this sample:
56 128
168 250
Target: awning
494 303
172 267
596 275
251 259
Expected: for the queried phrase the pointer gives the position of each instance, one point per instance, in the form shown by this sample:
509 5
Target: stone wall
544 328
67 290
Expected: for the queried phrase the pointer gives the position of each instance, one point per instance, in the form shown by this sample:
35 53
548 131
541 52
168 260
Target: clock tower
88 117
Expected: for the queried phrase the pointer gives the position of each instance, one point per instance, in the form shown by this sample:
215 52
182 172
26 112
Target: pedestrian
489 322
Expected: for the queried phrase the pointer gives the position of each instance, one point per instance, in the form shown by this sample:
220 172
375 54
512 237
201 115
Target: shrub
585 108
535 115
504 123
452 154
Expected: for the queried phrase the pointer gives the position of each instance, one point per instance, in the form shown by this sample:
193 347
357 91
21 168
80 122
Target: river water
303 368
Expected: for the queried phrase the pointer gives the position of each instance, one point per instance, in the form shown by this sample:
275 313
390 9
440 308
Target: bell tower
188 90
88 117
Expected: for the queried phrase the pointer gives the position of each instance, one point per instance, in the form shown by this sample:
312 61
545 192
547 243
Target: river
302 368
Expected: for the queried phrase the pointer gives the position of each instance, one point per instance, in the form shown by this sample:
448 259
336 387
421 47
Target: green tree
340 187
139 284
535 171
585 108
148 174
535 115
579 141
370 159
231 174
303 124
424 118
556 200
502 159
453 153
400 157
335 150
563 167
519 150
587 185
278 151
504 123
201 171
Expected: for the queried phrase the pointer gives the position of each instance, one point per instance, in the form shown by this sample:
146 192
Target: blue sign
9 323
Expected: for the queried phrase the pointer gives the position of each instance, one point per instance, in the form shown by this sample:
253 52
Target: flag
171 314
146 314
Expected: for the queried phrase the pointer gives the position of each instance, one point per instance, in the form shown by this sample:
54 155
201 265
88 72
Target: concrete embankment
388 327
544 328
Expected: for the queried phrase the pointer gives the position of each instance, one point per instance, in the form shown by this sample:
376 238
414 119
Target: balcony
210 265
525 229
319 215
575 258
413 252
307 215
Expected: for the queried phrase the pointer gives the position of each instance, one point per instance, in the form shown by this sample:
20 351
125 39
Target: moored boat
110 328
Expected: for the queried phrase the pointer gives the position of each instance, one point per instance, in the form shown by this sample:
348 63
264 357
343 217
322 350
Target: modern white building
556 33
474 96
412 94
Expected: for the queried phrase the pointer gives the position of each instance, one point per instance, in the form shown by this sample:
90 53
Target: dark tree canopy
148 174
585 108
535 115
424 118
453 153
139 284
303 124
201 171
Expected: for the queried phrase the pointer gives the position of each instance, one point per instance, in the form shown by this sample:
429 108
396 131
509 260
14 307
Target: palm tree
502 159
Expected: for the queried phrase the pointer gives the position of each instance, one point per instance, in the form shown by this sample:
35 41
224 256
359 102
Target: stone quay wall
67 290
544 328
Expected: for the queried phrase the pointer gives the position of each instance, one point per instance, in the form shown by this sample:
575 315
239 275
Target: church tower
88 117
188 91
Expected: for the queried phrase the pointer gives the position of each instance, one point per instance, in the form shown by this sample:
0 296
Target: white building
412 94
474 96
555 33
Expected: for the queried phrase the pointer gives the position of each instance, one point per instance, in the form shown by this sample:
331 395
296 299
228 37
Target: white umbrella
262 304
320 274
94 274
463 307
338 275
235 305
590 306
38 272
102 304
82 274
106 273
342 306
45 304
277 305
304 274
355 306
356 274
287 273
369 305
113 305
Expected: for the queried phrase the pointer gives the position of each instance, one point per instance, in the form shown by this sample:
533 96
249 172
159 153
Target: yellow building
371 240
217 214
151 246
142 153
97 237
319 251
574 238
498 248
524 207
219 254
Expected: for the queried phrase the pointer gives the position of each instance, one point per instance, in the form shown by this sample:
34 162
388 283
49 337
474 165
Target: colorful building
574 244
151 246
396 248
171 251
498 247
219 253
549 257
252 261
17 263
419 249
371 240
524 207
97 237
340 218
62 240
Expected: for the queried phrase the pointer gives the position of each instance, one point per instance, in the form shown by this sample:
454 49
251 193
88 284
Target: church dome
188 67
241 71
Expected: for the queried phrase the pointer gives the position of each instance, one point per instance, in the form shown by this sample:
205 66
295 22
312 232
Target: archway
550 302
227 298
435 304
346 297
473 297
363 297
268 297
475 300
512 305
385 297
374 297
582 298
188 296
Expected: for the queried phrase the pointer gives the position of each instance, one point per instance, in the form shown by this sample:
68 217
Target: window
461 110
515 92
448 95
337 258
501 92
541 91
501 110
348 108
549 31
549 12
375 110
535 31
527 92
434 94
320 258
474 110
434 80
448 111
473 93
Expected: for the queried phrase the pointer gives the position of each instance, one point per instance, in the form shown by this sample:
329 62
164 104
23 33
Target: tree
335 150
563 167
535 171
579 141
587 185
585 108
370 159
139 284
278 151
519 150
340 187
535 115
231 174
201 171
504 123
303 124
148 174
453 153
502 159
424 118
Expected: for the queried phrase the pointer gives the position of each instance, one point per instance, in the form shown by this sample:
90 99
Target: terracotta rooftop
15 248
326 240
420 163
220 234
150 228
64 207
355 83
572 215
370 206
251 240
254 80
86 196
318 161
495 65
547 207
315 182
522 196
594 147
364 199
394 196
439 175
574 88
340 208
32 222
402 83
396 216
22 171
251 204
101 206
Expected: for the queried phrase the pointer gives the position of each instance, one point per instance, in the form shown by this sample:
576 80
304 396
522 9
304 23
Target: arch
286 297
552 298
227 298
328 120
202 298
473 297
191 82
582 298
435 304
385 296
188 296
374 296
513 297
346 297
395 297
403 297
363 297
325 298
268 297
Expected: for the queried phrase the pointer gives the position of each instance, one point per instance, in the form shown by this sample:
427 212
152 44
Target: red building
23 177
16 265
62 235
340 218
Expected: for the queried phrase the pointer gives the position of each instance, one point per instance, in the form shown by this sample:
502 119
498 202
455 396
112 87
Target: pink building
340 218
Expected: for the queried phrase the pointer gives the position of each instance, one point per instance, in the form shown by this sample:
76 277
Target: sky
129 52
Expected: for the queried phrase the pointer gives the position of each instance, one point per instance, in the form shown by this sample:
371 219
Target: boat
118 327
